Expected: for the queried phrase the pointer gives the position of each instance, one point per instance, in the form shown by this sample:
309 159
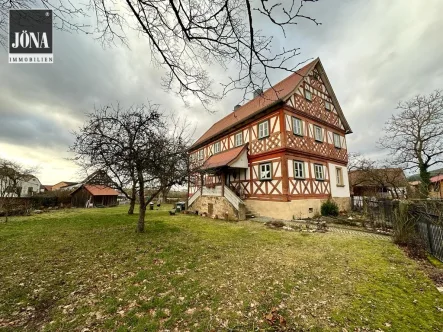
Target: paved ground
359 233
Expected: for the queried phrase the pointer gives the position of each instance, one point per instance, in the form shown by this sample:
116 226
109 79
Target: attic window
328 105
308 94
315 76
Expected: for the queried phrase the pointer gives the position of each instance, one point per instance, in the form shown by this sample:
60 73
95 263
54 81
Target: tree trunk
141 218
132 202
425 181
142 208
131 206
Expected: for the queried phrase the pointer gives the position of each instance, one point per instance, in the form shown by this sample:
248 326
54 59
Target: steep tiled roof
279 92
223 158
269 97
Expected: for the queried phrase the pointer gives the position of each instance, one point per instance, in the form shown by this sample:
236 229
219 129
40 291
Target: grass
76 269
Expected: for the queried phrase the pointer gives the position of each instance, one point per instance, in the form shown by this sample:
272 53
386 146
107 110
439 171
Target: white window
200 154
328 105
238 139
319 172
308 94
337 140
297 126
339 174
217 147
299 170
318 133
265 171
263 129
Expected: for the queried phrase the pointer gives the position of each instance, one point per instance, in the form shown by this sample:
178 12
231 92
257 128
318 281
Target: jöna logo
30 40
30 36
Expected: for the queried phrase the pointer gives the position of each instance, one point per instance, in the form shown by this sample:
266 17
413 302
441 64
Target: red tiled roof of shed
98 190
437 178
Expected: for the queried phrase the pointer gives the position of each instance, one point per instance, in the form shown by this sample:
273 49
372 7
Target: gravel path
359 233
332 229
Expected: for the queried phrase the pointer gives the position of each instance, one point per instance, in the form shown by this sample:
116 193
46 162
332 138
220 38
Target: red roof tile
223 158
98 190
270 96
437 178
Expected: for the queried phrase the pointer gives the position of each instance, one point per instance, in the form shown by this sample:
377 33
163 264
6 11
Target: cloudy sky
375 53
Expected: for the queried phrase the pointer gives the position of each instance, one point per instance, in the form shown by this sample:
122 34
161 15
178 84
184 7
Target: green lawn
77 269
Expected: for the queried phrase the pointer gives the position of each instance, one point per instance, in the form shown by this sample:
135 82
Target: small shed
94 195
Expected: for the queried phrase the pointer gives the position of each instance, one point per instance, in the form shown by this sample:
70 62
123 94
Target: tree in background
12 175
375 175
137 148
188 37
414 137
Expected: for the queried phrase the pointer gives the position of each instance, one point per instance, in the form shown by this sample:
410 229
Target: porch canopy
234 158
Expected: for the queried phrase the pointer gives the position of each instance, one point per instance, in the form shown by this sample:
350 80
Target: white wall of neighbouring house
33 183
337 190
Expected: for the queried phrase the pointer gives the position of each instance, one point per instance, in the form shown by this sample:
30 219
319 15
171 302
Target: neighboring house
436 187
28 186
384 182
45 188
98 177
93 195
280 155
62 184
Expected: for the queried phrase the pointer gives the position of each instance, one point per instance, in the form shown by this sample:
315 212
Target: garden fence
426 214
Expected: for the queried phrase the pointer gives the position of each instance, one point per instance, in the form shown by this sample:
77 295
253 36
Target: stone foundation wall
220 206
344 203
303 208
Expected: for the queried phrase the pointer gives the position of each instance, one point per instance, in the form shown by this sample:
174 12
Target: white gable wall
339 191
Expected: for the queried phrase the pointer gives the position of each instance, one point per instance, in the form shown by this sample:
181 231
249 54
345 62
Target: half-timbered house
279 155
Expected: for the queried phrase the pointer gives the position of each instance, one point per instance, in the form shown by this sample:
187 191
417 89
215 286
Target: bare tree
136 147
12 176
414 137
188 37
376 175
107 141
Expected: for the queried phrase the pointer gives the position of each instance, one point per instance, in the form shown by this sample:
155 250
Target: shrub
329 208
405 234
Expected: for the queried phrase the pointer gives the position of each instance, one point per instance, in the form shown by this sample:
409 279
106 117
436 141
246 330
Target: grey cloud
375 54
